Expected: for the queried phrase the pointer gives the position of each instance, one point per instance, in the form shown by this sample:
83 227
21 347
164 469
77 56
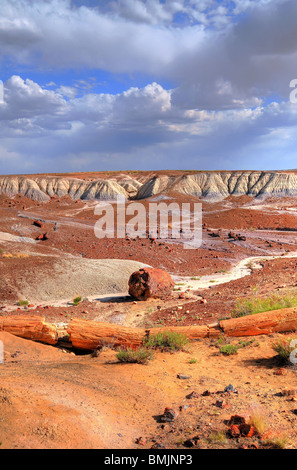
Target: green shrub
76 301
283 348
23 302
193 360
167 340
139 356
229 349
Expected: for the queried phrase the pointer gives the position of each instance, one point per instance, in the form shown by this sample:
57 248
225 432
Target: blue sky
147 84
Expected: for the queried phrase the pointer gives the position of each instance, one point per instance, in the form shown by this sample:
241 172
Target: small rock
192 441
183 376
221 404
183 407
233 431
230 389
141 441
192 395
280 371
169 415
246 430
236 419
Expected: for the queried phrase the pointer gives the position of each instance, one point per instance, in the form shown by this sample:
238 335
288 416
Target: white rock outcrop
43 188
209 185
219 185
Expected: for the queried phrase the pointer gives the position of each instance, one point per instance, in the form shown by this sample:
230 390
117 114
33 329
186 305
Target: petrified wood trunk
150 283
84 334
30 327
276 321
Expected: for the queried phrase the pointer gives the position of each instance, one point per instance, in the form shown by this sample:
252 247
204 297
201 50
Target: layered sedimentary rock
43 188
212 186
219 185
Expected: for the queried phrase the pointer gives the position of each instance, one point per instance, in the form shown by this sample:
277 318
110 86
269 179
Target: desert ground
56 397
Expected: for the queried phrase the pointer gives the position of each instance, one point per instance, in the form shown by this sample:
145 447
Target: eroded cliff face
219 185
206 185
43 188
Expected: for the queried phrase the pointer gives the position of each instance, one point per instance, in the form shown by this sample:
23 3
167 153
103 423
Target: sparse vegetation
259 421
23 303
278 442
167 341
250 264
76 300
139 356
283 348
217 437
257 304
229 349
193 360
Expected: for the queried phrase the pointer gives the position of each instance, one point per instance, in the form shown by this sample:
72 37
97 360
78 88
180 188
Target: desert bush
139 356
76 301
167 340
23 302
257 305
217 437
283 348
259 421
229 349
278 442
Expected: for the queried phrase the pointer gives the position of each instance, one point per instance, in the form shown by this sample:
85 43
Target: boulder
150 283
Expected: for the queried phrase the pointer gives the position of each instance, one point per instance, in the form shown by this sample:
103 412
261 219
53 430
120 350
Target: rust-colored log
30 327
89 335
275 321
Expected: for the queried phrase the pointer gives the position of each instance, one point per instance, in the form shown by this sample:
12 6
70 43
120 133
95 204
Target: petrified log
42 236
30 327
150 283
275 321
89 335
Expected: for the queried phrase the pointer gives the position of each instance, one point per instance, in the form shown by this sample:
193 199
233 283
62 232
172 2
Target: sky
147 85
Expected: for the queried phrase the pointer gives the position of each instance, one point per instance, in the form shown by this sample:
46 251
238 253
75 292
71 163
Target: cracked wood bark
85 334
275 321
30 327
